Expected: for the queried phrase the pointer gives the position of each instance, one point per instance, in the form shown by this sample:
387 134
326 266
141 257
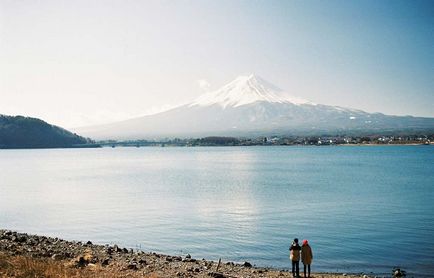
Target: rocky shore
60 258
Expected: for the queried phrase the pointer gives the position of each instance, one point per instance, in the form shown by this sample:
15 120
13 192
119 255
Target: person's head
305 242
296 240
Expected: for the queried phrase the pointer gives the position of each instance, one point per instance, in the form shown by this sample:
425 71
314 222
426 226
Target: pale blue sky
76 63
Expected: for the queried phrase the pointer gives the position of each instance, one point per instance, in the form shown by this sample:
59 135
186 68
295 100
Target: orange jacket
306 254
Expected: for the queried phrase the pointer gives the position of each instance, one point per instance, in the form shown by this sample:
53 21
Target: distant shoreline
120 145
375 145
294 145
87 260
214 141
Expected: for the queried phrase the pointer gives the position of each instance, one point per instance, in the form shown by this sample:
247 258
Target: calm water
362 208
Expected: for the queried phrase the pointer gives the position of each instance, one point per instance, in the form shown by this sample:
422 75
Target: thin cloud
203 84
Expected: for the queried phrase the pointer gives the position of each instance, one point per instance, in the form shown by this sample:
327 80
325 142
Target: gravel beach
21 253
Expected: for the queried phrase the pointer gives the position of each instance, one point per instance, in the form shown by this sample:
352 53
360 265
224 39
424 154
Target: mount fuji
251 106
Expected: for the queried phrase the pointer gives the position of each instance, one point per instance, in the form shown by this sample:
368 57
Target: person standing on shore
306 257
295 257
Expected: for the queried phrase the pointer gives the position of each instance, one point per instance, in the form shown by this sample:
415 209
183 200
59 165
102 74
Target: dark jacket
294 252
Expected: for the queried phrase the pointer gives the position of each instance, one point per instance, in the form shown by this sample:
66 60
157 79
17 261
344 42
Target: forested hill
26 132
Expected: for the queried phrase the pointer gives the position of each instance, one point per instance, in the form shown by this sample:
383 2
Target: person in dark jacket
294 256
306 257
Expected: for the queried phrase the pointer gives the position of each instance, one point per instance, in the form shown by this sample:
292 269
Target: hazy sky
76 63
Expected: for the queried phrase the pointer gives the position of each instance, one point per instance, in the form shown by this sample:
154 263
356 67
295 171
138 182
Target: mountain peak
244 90
249 77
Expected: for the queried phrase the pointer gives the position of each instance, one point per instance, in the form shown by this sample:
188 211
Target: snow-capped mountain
251 106
245 90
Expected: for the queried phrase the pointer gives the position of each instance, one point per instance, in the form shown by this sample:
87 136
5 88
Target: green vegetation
24 132
324 140
217 141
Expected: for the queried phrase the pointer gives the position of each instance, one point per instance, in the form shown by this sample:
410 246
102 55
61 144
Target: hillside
26 132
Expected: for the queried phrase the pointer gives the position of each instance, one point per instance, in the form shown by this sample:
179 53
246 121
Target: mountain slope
25 132
251 106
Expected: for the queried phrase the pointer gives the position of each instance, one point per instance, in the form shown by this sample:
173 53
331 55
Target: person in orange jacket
306 256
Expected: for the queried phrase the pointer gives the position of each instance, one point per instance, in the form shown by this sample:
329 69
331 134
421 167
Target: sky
79 63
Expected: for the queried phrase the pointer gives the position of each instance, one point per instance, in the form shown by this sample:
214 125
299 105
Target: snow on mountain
245 90
251 106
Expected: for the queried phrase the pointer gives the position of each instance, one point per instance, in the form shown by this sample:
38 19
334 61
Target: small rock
188 256
189 268
132 266
247 264
57 257
88 257
397 273
216 275
105 262
47 254
80 261
89 243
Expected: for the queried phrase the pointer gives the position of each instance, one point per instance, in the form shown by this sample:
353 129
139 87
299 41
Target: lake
361 208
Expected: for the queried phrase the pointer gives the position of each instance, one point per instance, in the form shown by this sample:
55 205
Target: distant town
276 141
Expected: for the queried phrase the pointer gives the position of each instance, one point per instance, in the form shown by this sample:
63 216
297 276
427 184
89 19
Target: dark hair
296 240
